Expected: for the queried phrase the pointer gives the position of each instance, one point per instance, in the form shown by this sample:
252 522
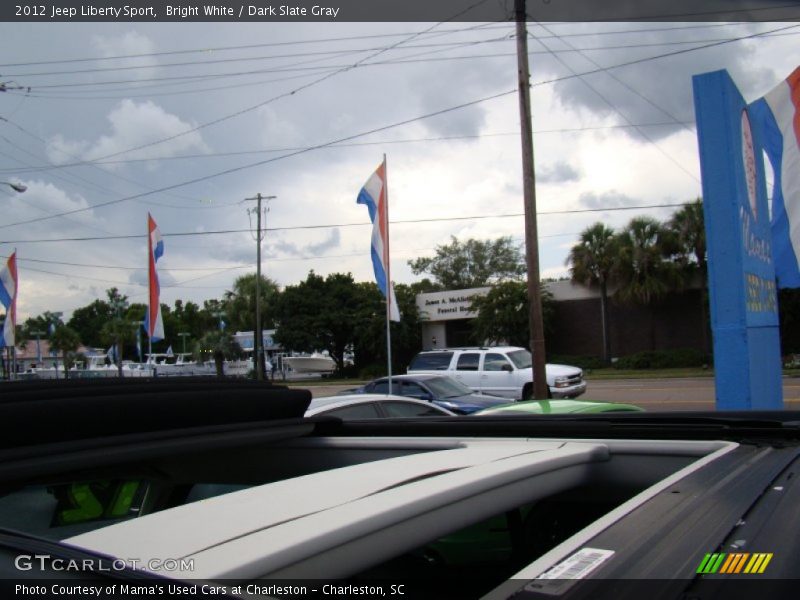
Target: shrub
664 359
585 362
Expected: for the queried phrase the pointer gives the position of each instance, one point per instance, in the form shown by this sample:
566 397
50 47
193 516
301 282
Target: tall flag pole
153 322
375 195
9 284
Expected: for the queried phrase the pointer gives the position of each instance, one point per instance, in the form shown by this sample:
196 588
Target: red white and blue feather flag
9 283
153 322
374 195
777 117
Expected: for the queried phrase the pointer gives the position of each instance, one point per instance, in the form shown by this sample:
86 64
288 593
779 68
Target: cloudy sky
187 120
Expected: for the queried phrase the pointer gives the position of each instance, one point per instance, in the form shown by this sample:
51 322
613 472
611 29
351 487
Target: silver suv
500 371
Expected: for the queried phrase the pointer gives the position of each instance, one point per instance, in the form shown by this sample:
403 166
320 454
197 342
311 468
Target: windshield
150 140
447 387
522 359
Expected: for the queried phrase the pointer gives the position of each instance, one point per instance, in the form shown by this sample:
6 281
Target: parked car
499 371
224 484
441 390
558 407
373 406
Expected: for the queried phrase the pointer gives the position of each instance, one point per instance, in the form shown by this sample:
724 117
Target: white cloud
133 125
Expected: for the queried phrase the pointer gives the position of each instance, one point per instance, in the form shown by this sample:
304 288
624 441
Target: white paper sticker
558 579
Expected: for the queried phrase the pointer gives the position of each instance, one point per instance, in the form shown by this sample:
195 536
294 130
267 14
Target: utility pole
258 343
529 193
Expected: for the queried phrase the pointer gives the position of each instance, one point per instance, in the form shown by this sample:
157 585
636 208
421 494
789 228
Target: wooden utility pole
258 345
529 193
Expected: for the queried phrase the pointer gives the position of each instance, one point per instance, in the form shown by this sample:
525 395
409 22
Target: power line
496 25
620 113
375 130
124 268
251 46
292 92
41 90
41 168
344 225
289 68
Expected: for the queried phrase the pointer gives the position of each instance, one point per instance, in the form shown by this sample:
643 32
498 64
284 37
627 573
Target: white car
374 406
499 370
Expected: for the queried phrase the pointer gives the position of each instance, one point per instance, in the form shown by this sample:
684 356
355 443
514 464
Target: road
691 393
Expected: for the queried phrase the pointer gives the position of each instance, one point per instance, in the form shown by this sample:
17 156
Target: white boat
160 366
314 363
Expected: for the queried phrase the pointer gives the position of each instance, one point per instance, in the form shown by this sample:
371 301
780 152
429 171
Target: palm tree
642 269
591 263
218 345
118 331
66 340
688 226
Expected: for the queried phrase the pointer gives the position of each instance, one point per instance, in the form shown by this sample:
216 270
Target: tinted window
409 409
431 361
494 362
447 387
521 358
382 387
366 410
414 390
468 362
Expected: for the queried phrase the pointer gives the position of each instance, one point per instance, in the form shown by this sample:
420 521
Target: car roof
283 529
319 405
482 348
412 376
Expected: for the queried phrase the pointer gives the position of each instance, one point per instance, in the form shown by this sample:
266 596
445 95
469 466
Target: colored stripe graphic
734 563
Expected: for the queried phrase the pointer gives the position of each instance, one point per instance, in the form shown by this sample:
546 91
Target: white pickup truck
499 371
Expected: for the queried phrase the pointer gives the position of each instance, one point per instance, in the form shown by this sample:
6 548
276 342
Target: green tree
240 307
370 342
320 314
218 345
240 303
643 269
118 329
66 341
89 320
502 314
42 323
689 231
591 263
474 263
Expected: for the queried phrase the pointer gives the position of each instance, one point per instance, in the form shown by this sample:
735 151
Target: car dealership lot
667 394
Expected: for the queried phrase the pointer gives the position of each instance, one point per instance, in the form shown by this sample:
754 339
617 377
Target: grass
647 373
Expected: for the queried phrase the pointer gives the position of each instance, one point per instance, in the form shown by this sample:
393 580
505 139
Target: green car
558 407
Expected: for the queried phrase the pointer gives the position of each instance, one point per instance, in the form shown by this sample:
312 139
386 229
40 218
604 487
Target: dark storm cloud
319 248
653 91
610 199
558 172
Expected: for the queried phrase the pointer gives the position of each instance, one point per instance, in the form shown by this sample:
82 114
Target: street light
55 319
184 335
17 187
38 346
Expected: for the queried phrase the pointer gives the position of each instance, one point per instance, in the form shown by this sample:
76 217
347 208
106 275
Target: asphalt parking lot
670 394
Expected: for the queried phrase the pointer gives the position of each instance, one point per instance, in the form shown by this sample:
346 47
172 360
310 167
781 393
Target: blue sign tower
743 294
